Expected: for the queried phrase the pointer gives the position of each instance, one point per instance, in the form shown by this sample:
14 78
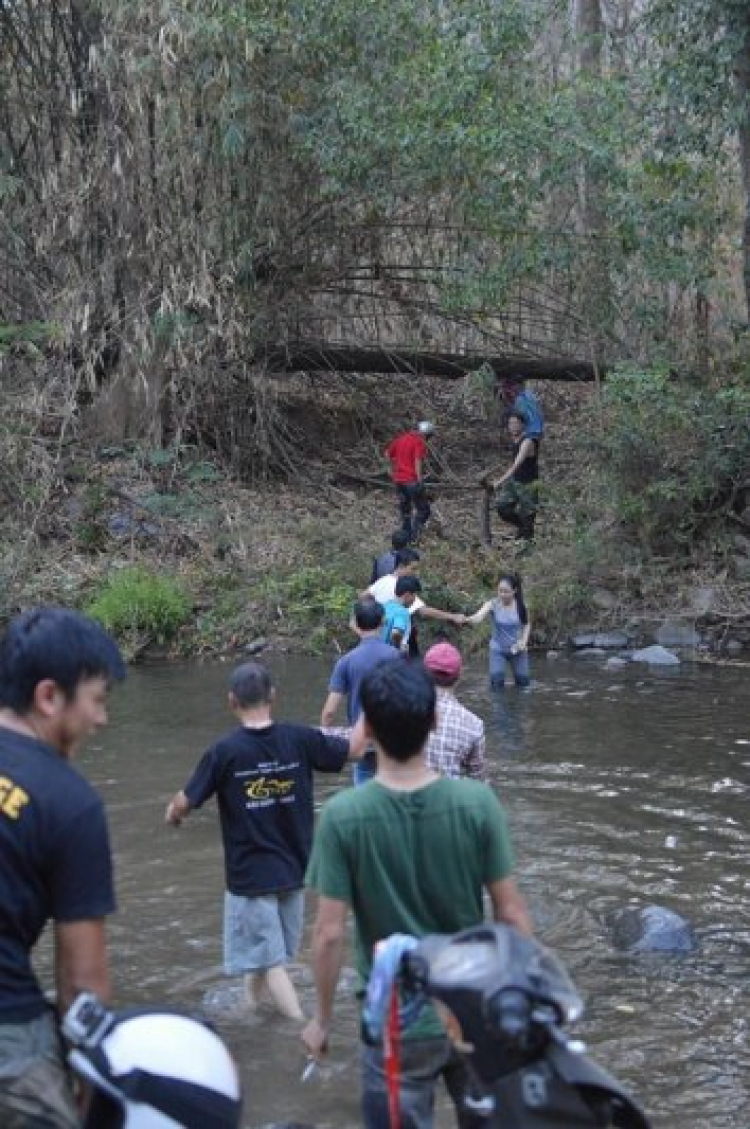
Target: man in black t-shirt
262 776
55 670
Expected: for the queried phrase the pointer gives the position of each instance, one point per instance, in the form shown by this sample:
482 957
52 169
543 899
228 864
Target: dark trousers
517 503
412 499
423 1063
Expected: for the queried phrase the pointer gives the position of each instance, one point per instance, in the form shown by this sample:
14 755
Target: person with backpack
517 498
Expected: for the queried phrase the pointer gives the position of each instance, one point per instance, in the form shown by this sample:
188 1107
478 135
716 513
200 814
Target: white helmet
152 1069
425 427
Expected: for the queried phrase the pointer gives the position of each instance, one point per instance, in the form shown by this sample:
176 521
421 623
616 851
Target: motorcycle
506 1001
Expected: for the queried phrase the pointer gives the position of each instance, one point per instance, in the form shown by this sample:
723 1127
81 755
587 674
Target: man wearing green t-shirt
409 852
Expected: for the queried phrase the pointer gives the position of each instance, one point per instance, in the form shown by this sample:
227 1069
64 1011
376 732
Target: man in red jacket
406 454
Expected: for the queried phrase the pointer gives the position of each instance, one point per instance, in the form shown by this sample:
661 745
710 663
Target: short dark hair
368 614
251 685
398 701
406 584
55 643
399 539
406 556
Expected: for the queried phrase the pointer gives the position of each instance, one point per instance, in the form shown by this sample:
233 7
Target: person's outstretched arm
438 613
478 616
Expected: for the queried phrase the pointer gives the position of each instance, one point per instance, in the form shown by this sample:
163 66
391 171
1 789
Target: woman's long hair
514 580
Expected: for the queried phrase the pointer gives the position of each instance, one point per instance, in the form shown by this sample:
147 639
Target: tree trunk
598 298
742 80
317 356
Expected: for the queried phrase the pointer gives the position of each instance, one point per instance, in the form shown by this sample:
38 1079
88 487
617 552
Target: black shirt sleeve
326 754
203 783
81 885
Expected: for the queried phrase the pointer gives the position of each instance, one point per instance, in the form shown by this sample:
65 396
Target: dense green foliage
136 602
231 174
667 458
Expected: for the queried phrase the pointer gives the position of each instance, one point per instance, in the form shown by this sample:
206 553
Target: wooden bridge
431 299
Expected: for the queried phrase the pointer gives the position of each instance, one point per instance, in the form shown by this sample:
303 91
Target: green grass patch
136 602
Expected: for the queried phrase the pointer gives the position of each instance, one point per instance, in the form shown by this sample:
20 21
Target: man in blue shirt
518 398
351 668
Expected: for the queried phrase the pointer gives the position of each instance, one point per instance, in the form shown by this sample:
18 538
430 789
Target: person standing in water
511 628
262 775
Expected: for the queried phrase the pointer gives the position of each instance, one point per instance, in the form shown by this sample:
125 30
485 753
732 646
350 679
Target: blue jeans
519 664
365 769
423 1063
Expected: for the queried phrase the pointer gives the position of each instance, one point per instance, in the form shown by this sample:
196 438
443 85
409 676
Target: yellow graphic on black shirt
12 798
268 788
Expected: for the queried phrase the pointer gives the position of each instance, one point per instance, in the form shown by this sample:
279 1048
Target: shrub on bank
665 455
135 601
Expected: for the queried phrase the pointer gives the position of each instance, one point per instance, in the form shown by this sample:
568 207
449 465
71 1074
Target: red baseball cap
444 658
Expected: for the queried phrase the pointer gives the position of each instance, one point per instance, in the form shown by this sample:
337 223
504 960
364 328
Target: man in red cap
456 746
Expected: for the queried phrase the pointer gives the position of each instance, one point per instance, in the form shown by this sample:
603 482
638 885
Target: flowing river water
623 787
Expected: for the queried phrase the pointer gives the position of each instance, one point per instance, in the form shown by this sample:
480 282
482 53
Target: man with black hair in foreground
262 775
55 670
409 852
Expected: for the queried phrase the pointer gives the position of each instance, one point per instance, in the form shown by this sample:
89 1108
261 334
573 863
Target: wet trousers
517 503
423 1063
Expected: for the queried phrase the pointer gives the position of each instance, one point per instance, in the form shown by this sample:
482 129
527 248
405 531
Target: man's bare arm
327 958
509 905
330 708
81 961
438 613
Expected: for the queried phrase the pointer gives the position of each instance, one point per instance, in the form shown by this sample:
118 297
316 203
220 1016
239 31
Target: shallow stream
622 786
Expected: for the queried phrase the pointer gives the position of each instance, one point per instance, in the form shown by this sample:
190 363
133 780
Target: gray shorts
262 932
34 1086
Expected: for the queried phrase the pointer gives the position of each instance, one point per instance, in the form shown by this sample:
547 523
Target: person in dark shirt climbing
517 497
387 563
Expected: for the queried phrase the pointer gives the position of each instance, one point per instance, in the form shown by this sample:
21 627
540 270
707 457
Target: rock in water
652 929
656 655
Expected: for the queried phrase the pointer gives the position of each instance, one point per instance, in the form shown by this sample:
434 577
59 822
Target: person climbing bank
517 497
406 455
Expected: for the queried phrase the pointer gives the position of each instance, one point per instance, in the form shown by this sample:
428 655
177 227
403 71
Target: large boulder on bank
652 929
677 633
656 656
